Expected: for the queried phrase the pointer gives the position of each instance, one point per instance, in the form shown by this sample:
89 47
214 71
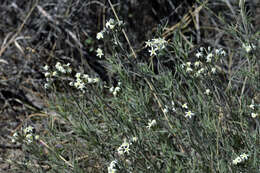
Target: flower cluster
204 64
240 159
60 69
124 148
115 90
166 108
188 113
27 135
65 68
252 107
111 24
112 167
184 106
82 80
155 45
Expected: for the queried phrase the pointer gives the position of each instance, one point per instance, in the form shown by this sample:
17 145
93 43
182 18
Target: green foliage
87 127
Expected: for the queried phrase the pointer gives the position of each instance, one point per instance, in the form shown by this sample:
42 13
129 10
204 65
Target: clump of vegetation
173 106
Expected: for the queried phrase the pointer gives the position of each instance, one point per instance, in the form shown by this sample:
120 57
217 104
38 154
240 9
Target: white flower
99 52
189 114
248 47
235 161
100 35
110 24
54 73
217 51
201 70
120 22
47 74
213 70
188 64
240 159
90 80
36 137
223 53
184 106
114 93
79 84
173 106
151 124
13 140
148 43
71 84
112 166
244 156
254 115
199 54
252 106
207 92
85 76
95 80
111 89
28 129
188 69
46 85
165 110
152 51
124 148
209 56
116 89
159 43
60 68
78 75
155 44
14 137
46 67
29 138
134 139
